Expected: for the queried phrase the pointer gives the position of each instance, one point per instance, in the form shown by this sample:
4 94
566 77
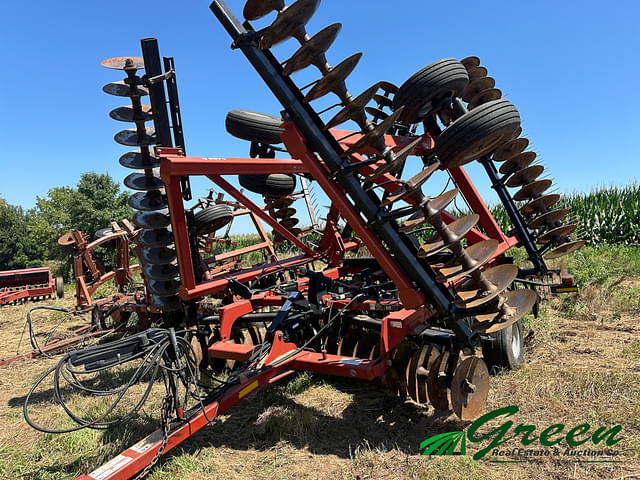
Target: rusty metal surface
312 51
469 388
334 79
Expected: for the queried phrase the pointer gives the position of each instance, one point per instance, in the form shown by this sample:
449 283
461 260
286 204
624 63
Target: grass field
582 365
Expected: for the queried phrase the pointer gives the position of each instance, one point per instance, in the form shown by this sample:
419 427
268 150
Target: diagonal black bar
153 67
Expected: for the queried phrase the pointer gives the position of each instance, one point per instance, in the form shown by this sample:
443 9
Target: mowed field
582 366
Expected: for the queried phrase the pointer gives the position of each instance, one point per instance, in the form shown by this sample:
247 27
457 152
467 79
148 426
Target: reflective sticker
146 443
248 389
110 467
395 324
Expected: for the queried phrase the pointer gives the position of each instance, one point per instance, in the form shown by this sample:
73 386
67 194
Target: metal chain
165 421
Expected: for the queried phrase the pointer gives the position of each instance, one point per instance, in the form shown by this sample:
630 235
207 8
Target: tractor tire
477 133
254 126
505 348
59 283
212 218
438 80
273 184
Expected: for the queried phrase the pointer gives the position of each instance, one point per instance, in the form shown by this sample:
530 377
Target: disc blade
158 255
470 62
477 87
457 230
484 97
565 249
163 288
66 239
540 205
374 135
148 201
347 345
525 176
312 50
354 107
161 237
166 271
118 63
437 388
285 212
398 159
143 182
479 252
281 202
532 190
469 388
130 137
557 233
517 162
549 219
501 276
510 149
121 89
433 207
382 100
128 114
256 9
334 78
289 22
138 160
289 222
411 186
166 304
152 220
476 73
376 112
518 303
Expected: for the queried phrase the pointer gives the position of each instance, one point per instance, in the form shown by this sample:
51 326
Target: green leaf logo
445 444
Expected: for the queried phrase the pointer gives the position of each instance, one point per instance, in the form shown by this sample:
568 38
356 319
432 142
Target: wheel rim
516 341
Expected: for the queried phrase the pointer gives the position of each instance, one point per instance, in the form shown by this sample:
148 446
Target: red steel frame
285 358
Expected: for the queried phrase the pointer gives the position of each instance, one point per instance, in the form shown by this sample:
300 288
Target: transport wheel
273 184
59 283
438 80
254 126
212 218
505 349
477 132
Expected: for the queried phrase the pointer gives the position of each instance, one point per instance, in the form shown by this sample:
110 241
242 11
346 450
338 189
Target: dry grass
580 368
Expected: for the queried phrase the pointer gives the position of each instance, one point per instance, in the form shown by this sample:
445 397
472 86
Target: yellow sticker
248 389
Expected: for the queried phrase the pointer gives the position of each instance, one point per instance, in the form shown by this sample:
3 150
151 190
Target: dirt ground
582 366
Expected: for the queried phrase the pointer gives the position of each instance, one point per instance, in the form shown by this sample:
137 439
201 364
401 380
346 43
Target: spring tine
290 22
532 190
333 81
524 176
456 230
256 9
397 161
373 135
131 138
470 62
313 50
478 253
143 182
121 89
548 219
557 233
353 108
510 149
119 63
520 161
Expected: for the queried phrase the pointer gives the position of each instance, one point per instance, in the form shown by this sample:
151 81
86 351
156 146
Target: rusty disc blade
312 50
285 212
411 376
354 107
148 201
457 229
161 237
374 135
66 239
334 78
470 62
158 255
388 87
400 357
119 63
501 276
548 219
433 207
281 202
130 137
289 22
121 89
289 222
166 271
139 160
532 190
366 344
479 252
484 97
540 205
398 160
143 182
410 187
256 9
382 100
152 220
517 162
417 371
517 304
510 149
476 73
557 233
128 114
469 388
525 176
376 112
437 388
347 344
477 87
565 249
163 288
166 304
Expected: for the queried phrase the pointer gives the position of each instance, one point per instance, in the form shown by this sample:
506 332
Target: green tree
18 249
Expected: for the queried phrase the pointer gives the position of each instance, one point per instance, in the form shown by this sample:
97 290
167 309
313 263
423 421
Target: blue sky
570 67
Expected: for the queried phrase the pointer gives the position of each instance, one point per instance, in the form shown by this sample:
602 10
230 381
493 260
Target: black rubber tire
505 349
438 80
254 126
59 284
212 218
273 184
477 133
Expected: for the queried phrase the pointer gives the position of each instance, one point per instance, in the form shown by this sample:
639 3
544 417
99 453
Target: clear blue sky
571 68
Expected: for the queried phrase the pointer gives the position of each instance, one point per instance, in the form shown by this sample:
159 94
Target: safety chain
165 421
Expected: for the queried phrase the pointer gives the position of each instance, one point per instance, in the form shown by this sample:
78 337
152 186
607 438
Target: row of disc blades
155 238
520 171
281 209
